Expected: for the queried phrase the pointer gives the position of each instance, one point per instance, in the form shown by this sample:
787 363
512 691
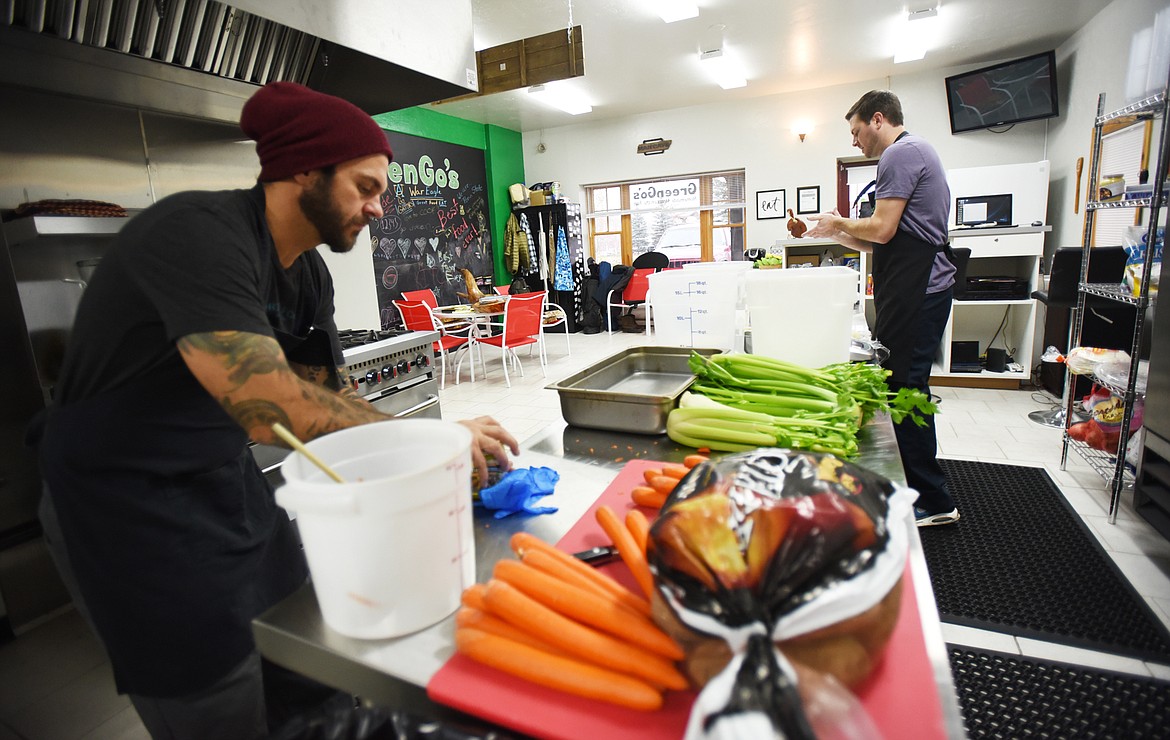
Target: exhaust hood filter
145 53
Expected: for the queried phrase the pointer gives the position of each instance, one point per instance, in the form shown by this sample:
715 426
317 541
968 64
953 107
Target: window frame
706 209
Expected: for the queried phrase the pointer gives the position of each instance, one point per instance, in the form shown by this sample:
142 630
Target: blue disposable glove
519 490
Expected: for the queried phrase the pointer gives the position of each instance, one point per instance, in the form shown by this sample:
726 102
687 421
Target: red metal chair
634 294
417 316
522 316
502 289
454 328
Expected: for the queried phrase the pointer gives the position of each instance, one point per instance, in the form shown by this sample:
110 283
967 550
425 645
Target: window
689 218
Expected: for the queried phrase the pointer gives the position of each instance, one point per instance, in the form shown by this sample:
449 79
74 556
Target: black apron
901 274
172 530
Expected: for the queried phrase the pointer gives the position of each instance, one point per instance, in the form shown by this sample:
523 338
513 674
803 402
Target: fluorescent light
677 10
722 69
561 98
914 31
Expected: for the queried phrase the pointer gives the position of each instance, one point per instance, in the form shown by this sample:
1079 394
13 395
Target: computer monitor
984 209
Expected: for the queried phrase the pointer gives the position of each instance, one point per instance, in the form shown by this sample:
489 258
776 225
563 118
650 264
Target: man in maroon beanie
209 319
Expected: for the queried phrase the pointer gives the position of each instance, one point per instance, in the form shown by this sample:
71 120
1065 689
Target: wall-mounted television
1003 94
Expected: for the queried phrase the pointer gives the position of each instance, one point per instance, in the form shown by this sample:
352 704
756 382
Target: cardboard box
537 198
796 260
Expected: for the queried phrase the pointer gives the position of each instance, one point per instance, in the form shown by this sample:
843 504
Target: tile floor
57 684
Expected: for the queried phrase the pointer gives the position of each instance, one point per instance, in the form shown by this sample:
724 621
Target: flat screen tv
1003 94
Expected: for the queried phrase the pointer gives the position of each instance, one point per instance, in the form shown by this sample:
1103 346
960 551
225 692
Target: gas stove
393 370
378 362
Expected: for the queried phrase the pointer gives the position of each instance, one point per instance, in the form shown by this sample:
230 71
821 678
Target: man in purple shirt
912 275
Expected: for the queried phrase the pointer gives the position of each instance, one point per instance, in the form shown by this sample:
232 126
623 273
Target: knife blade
597 555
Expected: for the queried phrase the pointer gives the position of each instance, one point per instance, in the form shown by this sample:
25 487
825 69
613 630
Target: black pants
253 700
918 446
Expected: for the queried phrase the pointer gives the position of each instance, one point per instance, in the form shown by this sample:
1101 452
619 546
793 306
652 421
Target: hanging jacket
515 247
563 275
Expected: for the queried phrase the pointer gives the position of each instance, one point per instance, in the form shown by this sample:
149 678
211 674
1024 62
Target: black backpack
592 318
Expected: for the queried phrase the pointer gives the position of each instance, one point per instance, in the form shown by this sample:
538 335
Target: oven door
418 399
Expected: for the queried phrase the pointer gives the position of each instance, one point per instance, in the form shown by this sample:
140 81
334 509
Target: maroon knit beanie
297 129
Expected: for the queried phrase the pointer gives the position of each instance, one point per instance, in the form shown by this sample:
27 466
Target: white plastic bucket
802 315
392 549
694 308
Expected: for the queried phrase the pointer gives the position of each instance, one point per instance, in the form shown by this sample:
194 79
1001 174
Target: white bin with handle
802 315
694 308
392 549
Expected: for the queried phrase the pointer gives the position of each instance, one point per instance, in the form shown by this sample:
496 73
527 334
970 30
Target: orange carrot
473 596
663 483
648 497
672 470
692 460
555 672
649 473
639 527
634 559
588 608
522 541
510 604
481 620
548 563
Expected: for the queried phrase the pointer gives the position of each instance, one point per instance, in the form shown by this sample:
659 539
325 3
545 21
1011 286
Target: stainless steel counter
395 672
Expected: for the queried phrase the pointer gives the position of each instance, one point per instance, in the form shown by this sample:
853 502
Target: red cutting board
900 696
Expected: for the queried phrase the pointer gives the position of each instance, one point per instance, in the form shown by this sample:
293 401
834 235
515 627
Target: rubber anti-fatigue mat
1011 696
1021 561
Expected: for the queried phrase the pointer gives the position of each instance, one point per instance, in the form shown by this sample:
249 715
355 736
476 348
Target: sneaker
926 519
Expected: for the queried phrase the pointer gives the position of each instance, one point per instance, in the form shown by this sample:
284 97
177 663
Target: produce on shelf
780 574
740 402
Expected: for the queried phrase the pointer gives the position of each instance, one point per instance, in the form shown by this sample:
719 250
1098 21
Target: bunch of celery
747 401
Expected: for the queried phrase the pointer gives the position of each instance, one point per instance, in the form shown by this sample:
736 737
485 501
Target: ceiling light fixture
720 66
676 10
913 34
561 98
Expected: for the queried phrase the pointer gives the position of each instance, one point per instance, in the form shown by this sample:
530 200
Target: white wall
755 134
1093 61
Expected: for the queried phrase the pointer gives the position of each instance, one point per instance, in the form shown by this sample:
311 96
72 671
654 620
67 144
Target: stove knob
403 367
422 360
353 382
373 377
389 372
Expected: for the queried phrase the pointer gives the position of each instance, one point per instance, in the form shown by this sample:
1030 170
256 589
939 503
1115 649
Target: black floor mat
1021 561
1010 696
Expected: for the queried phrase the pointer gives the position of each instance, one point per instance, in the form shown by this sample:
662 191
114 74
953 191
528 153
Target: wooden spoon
1077 200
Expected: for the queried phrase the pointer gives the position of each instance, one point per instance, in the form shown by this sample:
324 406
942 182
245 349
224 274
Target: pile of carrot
661 481
551 619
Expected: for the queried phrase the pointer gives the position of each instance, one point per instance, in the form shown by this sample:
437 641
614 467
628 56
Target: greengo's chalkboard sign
434 223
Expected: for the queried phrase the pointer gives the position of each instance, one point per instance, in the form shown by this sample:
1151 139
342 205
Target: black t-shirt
195 262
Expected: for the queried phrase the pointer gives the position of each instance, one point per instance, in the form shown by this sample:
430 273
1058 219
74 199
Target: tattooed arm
325 376
250 377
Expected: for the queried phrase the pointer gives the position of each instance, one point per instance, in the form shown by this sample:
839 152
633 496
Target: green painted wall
503 159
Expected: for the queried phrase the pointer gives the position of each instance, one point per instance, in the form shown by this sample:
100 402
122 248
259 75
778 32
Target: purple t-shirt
910 169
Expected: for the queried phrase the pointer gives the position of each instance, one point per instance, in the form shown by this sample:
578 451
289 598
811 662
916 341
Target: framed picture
770 204
808 200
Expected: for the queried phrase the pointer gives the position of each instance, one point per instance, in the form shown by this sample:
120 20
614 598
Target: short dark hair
877 101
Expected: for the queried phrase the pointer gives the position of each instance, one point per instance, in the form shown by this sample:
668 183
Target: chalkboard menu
434 223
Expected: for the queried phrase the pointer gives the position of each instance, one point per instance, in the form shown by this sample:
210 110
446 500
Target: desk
395 672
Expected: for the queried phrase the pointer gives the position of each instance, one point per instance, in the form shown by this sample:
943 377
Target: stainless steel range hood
204 58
